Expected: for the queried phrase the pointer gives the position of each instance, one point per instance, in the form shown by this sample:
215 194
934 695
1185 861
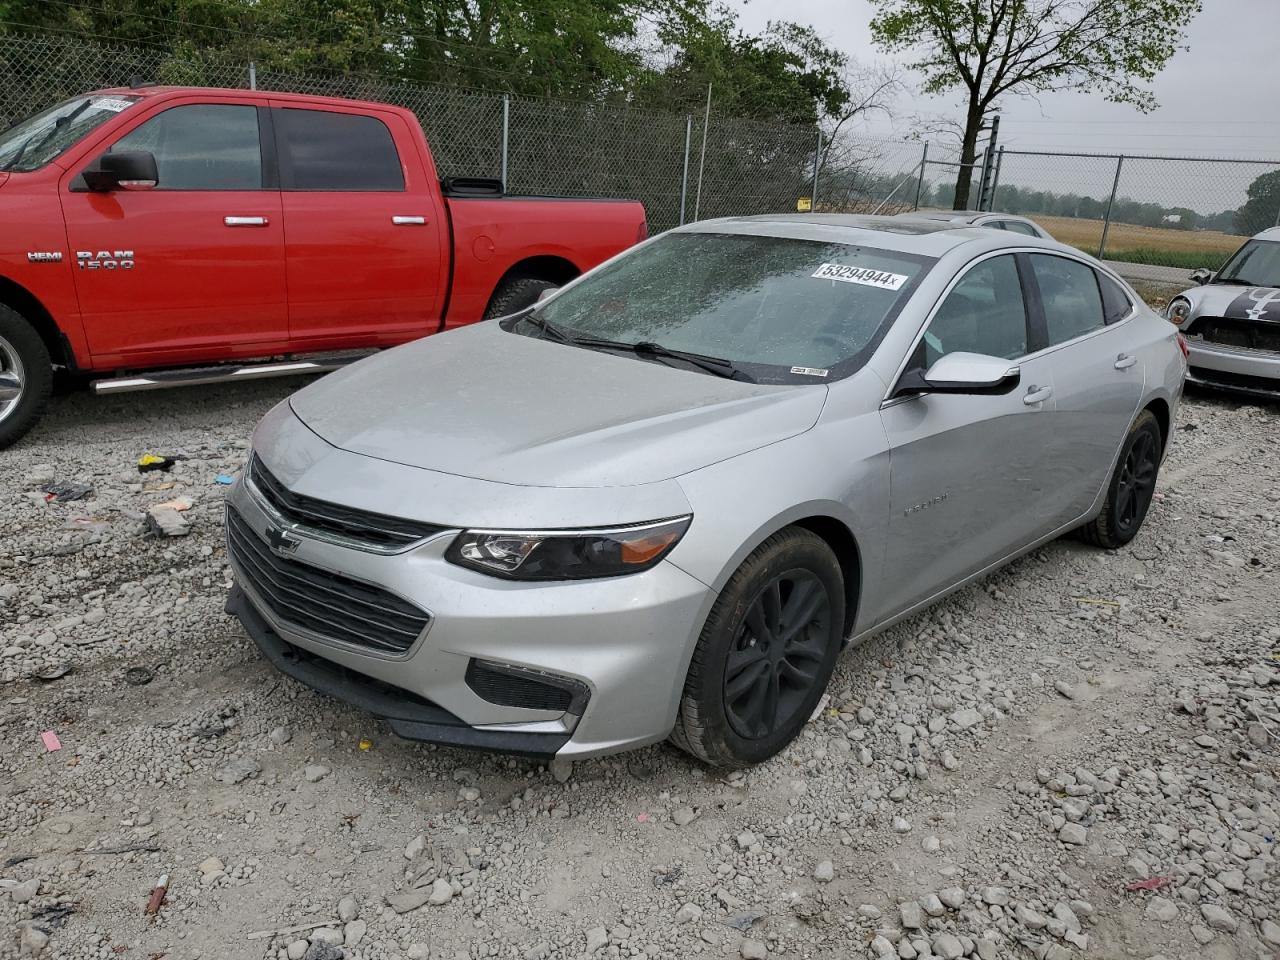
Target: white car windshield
1256 264
779 310
32 143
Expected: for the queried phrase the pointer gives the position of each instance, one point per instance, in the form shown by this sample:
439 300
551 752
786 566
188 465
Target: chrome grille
322 602
377 529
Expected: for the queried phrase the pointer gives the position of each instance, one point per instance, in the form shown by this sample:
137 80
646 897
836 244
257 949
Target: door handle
1124 361
1036 395
409 221
245 221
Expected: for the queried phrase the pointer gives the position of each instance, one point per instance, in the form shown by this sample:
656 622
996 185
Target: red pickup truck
159 236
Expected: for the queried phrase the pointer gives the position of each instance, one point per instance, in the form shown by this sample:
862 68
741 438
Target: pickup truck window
202 146
324 150
33 142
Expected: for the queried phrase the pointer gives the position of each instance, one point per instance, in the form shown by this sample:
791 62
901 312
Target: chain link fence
1153 214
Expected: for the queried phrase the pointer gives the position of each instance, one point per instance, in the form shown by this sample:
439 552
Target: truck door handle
245 221
1036 395
1124 361
409 221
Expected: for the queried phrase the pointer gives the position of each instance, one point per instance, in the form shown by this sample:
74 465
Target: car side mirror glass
969 373
125 170
1202 276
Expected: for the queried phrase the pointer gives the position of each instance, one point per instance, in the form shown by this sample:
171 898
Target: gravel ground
1074 758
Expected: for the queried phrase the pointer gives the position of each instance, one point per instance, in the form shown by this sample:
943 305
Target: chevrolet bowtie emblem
280 541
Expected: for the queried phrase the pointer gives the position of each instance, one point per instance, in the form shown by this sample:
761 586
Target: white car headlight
1178 311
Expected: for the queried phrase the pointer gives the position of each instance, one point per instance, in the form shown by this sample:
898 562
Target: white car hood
482 402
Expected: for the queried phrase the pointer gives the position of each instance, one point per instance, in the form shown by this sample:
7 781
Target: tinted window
1017 226
203 146
1069 291
983 313
336 151
769 304
1115 302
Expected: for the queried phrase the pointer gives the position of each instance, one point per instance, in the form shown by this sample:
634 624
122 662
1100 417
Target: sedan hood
1236 302
485 403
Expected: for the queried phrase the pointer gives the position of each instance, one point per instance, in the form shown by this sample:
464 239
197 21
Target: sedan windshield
1256 264
768 309
31 144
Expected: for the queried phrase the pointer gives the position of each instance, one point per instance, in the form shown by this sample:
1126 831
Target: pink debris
1151 883
51 741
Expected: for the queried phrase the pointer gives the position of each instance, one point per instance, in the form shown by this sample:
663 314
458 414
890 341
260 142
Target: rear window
785 310
323 150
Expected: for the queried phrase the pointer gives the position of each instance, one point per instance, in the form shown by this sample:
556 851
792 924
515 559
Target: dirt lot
999 777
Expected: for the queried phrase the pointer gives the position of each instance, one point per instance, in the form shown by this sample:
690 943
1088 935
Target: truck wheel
515 294
766 653
26 376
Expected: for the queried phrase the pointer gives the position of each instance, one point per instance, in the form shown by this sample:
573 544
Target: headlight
567 554
1178 311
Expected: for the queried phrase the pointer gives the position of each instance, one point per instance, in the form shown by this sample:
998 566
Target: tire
26 376
515 294
1132 484
721 728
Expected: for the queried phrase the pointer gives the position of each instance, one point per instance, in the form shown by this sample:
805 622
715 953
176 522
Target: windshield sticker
863 275
112 104
810 371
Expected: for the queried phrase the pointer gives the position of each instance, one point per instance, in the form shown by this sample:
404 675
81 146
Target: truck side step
225 373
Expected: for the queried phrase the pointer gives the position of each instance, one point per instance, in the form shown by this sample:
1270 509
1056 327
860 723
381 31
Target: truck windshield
33 142
779 309
1256 264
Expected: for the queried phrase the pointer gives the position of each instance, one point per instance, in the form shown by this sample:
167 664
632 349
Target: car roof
1271 233
149 91
922 235
962 216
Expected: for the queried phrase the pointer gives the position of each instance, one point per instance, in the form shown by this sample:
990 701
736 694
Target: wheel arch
549 267
18 298
1159 408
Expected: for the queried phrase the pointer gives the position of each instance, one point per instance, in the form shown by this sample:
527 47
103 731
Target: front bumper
1238 369
627 640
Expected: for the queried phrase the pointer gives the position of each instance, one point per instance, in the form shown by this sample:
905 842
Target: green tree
988 48
1262 209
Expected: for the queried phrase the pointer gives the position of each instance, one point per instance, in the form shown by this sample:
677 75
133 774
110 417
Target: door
362 233
1098 376
968 475
193 269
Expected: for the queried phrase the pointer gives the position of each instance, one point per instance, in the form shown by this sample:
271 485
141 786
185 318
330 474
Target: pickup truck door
193 269
364 228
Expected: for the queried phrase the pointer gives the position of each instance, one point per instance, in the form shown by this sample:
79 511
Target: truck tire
515 294
26 376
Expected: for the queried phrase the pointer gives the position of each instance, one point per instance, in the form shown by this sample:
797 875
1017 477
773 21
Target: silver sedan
659 503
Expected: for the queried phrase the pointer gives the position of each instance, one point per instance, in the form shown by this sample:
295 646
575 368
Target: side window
1017 226
1115 302
322 150
983 313
1070 294
202 146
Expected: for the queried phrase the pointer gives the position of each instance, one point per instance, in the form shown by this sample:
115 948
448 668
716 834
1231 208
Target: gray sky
1218 99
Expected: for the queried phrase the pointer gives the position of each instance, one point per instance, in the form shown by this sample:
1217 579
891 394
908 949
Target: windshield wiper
58 124
1234 282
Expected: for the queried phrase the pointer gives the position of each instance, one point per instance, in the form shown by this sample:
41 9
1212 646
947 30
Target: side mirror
126 170
970 373
1202 276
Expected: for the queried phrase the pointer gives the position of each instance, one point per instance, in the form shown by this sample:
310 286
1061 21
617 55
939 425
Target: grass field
1134 244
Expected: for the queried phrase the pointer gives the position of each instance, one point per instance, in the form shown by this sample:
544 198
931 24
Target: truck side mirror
126 170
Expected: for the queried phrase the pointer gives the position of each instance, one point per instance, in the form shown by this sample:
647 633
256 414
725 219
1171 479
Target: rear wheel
515 294
765 654
26 376
1133 483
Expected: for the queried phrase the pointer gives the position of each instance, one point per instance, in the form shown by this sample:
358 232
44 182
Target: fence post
702 160
1106 223
684 178
506 129
995 179
924 159
817 159
253 75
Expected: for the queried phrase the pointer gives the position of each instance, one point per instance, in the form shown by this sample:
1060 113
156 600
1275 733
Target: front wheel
26 376
766 653
1132 485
